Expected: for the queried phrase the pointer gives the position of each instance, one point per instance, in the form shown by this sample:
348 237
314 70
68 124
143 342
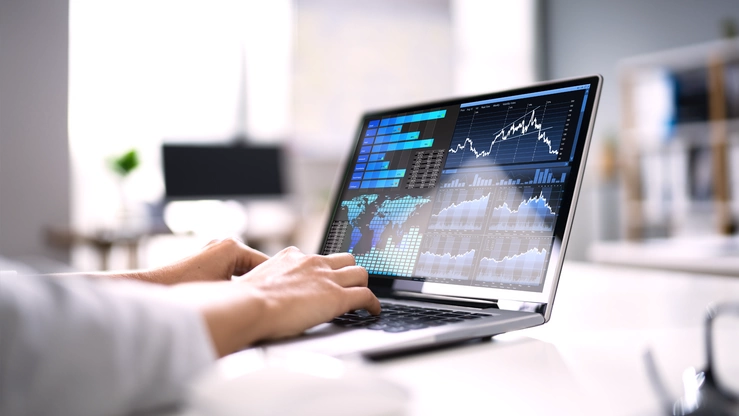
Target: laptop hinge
448 300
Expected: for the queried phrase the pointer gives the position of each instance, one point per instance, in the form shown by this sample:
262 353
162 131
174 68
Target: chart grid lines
509 133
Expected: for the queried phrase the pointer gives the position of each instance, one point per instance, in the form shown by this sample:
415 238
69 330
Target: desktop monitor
207 171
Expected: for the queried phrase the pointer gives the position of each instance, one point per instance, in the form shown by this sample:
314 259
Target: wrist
235 321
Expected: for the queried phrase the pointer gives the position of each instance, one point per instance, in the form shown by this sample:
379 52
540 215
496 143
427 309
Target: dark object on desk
706 392
221 172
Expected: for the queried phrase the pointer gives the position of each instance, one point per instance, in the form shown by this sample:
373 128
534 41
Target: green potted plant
122 166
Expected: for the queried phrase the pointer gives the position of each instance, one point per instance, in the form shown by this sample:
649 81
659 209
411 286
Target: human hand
281 297
302 290
218 260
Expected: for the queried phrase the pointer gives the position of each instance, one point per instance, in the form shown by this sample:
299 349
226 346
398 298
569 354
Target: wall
344 65
34 166
592 37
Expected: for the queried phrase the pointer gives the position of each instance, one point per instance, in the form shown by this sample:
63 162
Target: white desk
587 360
718 255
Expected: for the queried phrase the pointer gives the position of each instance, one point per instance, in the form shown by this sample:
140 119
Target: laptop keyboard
401 318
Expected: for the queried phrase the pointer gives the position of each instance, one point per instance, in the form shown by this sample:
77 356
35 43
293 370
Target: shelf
661 155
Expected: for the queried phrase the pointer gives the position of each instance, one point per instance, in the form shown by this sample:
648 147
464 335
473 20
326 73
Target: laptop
460 211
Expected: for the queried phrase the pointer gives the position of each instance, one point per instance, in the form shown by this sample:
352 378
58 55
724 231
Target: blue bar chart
389 130
413 118
540 177
396 258
413 144
400 137
383 139
454 178
477 180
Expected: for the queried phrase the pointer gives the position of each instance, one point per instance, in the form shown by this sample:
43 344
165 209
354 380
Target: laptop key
395 329
429 318
401 318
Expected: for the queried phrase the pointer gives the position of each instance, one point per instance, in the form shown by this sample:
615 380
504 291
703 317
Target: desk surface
717 255
588 359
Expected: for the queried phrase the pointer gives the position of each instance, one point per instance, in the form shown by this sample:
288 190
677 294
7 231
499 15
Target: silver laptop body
464 207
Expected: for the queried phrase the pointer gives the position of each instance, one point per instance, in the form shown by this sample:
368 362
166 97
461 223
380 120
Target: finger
339 260
362 298
248 258
212 242
351 276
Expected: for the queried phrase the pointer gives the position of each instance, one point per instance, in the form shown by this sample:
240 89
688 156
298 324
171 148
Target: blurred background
102 103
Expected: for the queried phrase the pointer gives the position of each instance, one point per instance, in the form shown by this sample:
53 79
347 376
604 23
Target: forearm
235 314
168 275
128 347
165 276
218 261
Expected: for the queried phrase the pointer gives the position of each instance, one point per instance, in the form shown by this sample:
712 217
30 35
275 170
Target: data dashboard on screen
468 193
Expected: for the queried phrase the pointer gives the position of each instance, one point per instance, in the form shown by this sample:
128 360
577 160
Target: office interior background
82 81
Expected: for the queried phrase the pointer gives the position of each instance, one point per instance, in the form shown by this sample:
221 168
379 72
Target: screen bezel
386 284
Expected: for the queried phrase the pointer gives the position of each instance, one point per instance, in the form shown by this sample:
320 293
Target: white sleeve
77 346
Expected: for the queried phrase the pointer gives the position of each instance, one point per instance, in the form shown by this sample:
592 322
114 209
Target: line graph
456 260
523 268
514 132
460 210
525 208
516 260
445 266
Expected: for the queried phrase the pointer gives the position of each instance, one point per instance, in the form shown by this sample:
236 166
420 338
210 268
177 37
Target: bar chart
384 138
461 182
460 178
541 176
395 257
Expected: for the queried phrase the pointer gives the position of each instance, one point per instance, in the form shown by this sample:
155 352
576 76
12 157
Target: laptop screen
471 192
